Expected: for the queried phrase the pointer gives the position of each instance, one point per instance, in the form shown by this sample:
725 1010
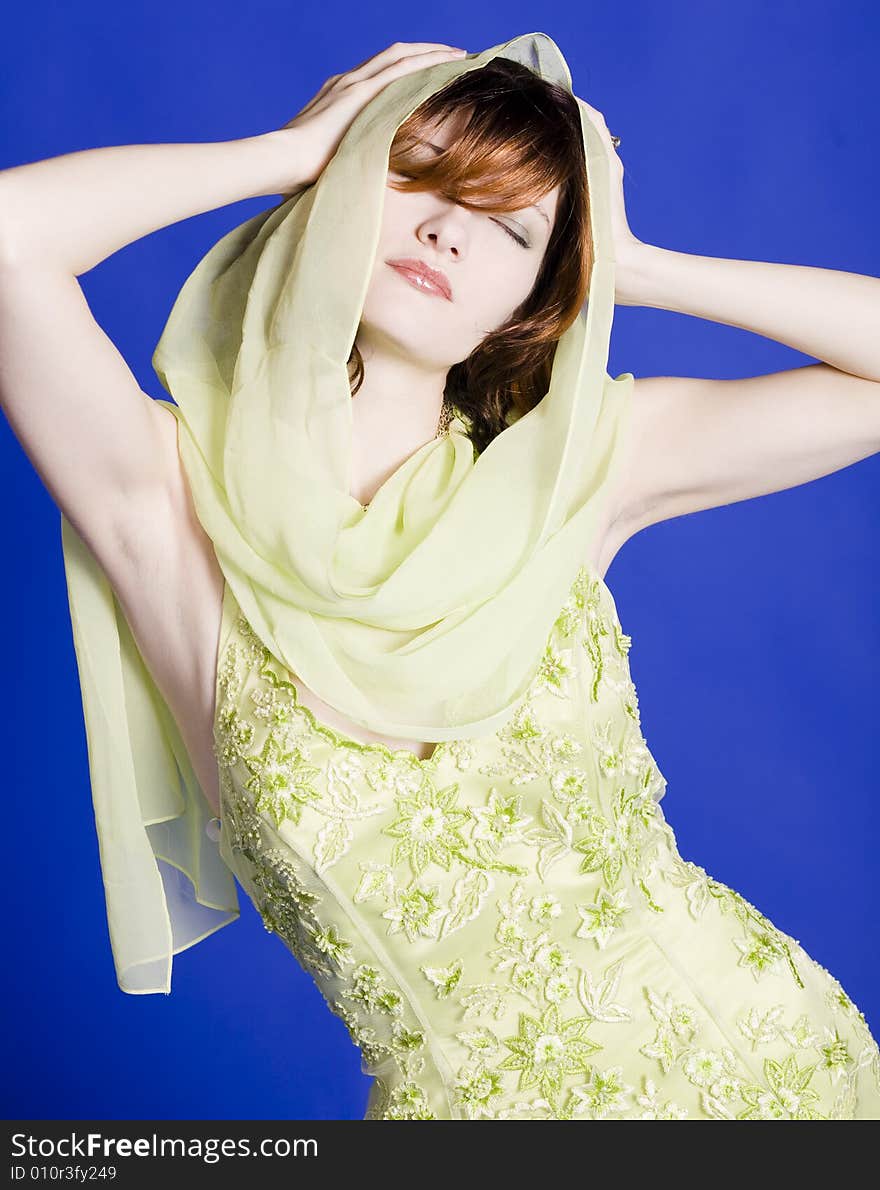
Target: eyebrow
532 206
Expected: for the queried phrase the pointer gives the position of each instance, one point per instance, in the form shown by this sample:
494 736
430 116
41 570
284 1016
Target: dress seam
695 992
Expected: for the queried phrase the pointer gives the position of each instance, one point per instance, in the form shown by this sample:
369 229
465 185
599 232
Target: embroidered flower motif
421 851
619 753
605 845
703 1067
415 911
286 907
547 1048
370 989
835 1056
444 979
800 1035
328 941
787 1094
545 907
477 1090
280 785
603 917
604 1095
555 672
525 727
501 821
761 952
569 785
407 1102
677 1024
428 826
558 989
232 736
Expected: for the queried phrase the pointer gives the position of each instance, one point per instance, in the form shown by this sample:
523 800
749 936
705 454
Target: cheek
398 209
503 287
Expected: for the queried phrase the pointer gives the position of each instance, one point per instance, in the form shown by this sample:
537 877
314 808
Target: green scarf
424 616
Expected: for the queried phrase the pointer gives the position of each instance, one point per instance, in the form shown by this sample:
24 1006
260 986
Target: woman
444 805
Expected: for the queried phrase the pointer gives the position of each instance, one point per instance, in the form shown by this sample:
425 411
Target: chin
404 331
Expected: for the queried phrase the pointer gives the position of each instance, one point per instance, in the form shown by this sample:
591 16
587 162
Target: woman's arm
93 436
698 442
831 315
75 210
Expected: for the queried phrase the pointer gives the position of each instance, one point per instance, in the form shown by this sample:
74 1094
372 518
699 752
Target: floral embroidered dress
507 928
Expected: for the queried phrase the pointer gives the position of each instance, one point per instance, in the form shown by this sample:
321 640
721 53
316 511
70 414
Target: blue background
748 130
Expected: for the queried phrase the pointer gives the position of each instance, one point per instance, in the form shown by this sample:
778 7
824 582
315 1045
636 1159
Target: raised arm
698 443
89 430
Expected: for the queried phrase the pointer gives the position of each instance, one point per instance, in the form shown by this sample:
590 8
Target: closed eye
512 233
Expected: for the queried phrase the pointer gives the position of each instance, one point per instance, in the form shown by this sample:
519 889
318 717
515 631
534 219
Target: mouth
421 276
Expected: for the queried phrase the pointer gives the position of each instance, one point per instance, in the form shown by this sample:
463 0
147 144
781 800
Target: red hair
521 137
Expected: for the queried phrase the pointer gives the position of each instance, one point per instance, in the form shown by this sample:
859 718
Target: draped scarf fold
423 616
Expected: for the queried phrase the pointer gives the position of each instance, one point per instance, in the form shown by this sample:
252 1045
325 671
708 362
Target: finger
408 65
399 52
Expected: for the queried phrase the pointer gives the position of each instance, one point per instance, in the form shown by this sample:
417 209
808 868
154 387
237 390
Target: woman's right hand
316 130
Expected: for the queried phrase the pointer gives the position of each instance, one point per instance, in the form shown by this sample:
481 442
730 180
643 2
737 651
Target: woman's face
491 262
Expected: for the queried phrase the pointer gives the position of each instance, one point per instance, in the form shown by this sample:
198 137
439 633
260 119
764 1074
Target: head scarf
424 615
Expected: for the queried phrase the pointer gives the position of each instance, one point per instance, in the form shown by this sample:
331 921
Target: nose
445 228
443 242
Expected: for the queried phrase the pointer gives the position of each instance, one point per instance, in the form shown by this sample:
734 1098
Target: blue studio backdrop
749 131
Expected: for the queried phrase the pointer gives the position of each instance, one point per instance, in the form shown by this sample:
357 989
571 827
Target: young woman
379 627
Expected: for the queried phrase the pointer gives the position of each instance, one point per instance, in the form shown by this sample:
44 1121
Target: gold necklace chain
445 420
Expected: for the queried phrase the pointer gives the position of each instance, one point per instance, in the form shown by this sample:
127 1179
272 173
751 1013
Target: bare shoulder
170 587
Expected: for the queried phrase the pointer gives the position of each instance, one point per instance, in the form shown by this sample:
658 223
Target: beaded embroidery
507 928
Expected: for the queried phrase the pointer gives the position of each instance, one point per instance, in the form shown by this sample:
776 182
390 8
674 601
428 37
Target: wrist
638 271
283 160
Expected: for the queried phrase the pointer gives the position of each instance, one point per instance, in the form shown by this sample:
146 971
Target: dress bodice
507 927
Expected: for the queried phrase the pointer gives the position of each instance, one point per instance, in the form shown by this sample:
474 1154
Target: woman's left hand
626 246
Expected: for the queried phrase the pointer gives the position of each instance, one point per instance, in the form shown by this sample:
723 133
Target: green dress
507 928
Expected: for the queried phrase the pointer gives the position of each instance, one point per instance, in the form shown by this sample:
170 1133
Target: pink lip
439 281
